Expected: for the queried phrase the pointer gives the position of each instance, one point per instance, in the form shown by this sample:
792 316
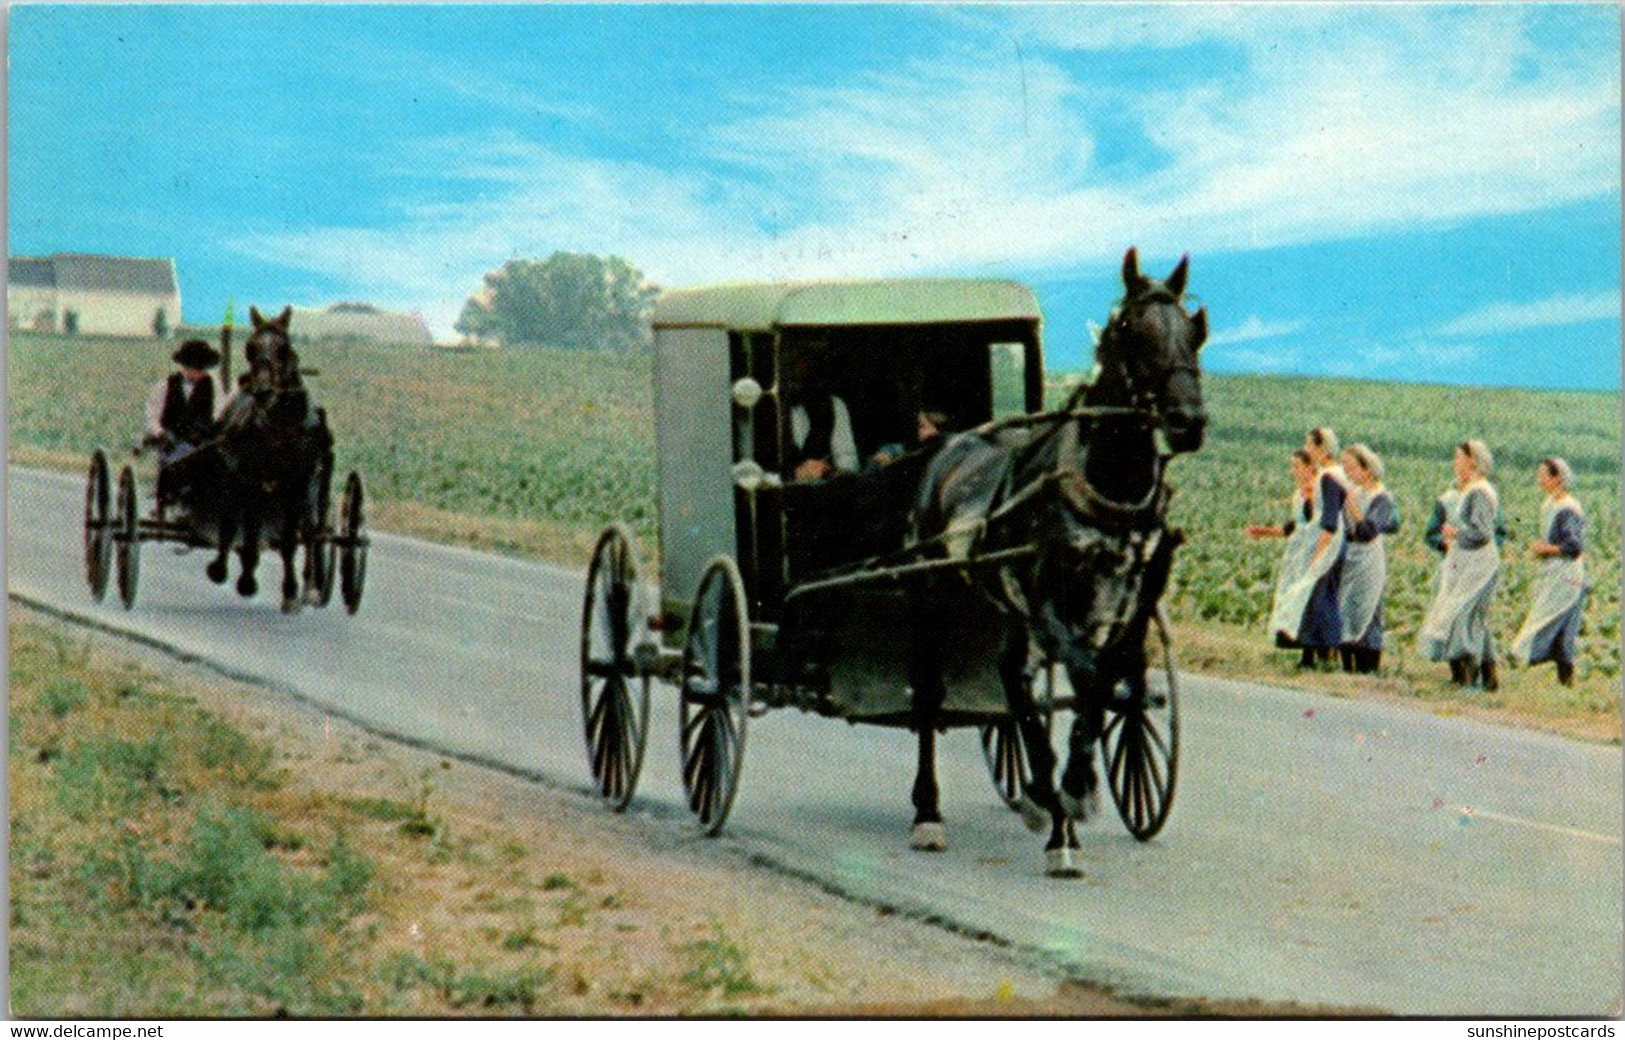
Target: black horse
1084 488
274 453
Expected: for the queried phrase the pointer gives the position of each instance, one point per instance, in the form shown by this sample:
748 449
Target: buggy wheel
352 542
98 531
127 538
615 719
1140 742
321 555
714 702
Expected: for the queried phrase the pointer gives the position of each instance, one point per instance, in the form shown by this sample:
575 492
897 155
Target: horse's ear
1176 281
285 317
1133 280
1199 330
255 316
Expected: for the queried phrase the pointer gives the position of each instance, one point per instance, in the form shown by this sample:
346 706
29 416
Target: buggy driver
181 412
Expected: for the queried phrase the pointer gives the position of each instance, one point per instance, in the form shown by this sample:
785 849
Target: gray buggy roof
913 301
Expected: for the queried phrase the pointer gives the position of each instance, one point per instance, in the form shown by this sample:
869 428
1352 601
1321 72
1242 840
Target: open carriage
778 592
116 525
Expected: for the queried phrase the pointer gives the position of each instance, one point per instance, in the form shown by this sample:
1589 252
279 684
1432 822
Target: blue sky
1412 192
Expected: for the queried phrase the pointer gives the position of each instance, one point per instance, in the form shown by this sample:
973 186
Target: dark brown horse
273 449
1083 487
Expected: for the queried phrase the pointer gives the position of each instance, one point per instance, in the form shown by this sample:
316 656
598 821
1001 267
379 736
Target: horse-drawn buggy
937 569
260 478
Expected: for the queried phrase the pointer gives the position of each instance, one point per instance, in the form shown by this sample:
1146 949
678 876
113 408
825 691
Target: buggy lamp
746 392
750 477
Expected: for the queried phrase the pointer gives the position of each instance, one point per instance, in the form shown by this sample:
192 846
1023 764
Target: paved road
1320 850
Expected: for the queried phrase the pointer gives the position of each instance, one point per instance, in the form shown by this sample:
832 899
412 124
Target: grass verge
166 863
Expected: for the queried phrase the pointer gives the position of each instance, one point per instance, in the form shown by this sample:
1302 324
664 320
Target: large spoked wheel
715 694
352 542
321 554
98 532
615 715
127 538
1141 739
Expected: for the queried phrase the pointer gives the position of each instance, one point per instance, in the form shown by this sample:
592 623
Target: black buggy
775 592
335 546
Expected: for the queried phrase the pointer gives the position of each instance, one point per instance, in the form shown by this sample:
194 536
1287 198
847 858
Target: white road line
1573 832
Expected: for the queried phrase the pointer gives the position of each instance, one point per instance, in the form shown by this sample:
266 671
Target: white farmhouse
93 295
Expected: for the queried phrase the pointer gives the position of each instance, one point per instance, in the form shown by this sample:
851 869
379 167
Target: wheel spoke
694 723
1155 771
1142 794
1156 738
1112 726
724 761
1119 750
706 745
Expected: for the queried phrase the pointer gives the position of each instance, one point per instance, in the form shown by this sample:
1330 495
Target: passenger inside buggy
878 404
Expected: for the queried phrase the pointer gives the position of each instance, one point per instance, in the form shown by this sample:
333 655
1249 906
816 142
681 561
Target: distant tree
160 324
573 300
70 322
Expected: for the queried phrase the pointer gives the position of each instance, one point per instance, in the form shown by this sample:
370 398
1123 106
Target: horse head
273 367
1148 355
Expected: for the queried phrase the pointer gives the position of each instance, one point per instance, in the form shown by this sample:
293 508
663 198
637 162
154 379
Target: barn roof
31 273
902 301
89 272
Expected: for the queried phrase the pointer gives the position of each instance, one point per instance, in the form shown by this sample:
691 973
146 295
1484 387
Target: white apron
1558 589
1300 572
1465 576
1365 575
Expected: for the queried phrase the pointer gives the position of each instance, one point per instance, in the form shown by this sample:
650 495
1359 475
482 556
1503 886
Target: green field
534 451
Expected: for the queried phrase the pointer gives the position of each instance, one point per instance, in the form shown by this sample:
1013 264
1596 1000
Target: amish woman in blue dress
1457 625
1305 612
1370 514
1550 631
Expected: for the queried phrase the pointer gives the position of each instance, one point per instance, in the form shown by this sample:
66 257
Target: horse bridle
1141 398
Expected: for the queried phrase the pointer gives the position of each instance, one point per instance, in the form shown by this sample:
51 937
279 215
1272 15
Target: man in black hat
180 411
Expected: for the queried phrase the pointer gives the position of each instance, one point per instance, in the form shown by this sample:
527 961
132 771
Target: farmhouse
360 323
92 295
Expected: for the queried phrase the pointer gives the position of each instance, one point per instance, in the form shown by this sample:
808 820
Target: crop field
563 441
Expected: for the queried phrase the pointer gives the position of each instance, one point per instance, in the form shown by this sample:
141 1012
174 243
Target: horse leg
925 679
1080 785
225 532
249 554
291 529
1039 798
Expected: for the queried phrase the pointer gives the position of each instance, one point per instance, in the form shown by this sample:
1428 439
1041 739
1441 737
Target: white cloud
1343 123
1563 309
1254 328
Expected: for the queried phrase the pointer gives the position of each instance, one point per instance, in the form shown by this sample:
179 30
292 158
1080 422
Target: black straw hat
195 353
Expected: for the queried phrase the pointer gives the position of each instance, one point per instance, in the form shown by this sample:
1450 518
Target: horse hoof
313 597
247 586
929 837
290 604
1061 863
216 572
1033 816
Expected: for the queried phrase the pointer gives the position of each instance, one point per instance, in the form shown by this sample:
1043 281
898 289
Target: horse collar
1095 507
